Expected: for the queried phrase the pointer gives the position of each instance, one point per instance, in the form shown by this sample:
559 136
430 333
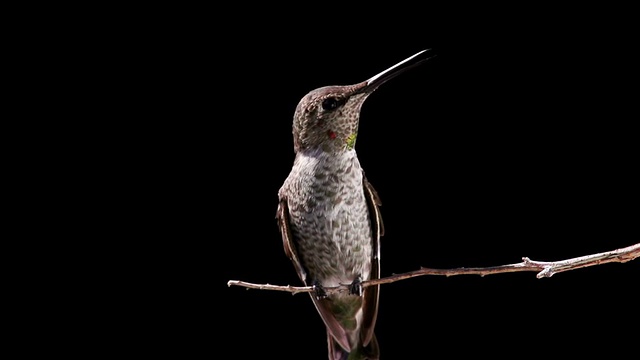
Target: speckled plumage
329 217
328 213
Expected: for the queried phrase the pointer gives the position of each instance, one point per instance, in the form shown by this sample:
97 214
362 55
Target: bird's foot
356 286
319 290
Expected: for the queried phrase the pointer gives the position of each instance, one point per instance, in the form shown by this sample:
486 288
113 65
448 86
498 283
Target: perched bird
329 217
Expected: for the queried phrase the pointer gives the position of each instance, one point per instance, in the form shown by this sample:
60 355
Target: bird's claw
356 286
319 290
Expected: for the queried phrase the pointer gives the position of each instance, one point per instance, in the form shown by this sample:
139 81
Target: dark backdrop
518 139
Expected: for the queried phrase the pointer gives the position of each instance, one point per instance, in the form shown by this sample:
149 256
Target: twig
543 268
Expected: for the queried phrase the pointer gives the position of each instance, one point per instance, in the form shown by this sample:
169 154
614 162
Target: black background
518 139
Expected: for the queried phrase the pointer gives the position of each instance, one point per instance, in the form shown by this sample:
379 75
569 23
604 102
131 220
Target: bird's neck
333 160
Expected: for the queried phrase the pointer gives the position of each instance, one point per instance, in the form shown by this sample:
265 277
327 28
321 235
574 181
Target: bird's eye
330 103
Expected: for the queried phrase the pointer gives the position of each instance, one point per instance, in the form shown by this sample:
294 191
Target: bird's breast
330 220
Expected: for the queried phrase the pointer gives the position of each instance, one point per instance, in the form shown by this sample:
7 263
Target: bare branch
543 268
292 289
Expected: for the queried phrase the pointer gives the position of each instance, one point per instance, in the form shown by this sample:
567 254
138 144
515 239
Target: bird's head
327 118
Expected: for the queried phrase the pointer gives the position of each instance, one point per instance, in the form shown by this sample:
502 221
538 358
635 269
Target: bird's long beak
397 69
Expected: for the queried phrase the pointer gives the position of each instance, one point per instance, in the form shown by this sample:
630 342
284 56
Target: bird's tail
369 352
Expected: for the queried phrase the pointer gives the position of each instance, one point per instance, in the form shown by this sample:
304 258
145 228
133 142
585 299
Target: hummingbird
329 214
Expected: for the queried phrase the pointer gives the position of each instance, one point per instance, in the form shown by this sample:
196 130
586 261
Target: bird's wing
322 305
371 293
282 215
